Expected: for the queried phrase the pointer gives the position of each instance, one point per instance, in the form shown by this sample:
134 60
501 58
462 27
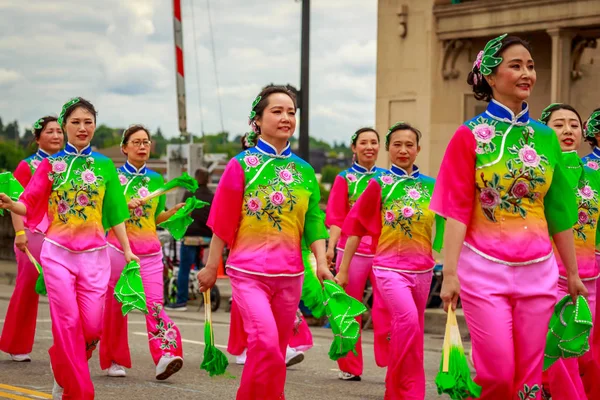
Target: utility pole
304 84
179 73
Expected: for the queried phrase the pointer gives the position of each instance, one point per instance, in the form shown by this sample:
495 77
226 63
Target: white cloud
120 55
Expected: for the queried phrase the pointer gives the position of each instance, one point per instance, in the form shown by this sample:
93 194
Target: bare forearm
454 236
334 235
318 249
18 208
17 222
349 251
565 245
165 215
121 234
215 252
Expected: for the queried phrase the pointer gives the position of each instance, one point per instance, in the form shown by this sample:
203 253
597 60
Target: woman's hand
324 273
135 203
6 203
576 287
330 254
450 291
21 242
129 256
207 277
342 278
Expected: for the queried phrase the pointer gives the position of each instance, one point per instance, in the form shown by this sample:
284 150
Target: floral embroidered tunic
23 174
585 183
592 161
84 196
503 177
394 211
346 189
265 204
141 224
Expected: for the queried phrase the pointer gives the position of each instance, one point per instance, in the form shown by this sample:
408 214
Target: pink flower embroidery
63 207
586 192
529 156
351 177
520 190
143 192
254 204
479 150
171 335
286 176
490 198
88 176
83 200
484 133
122 179
390 216
583 217
277 198
593 165
36 163
59 166
138 212
251 161
388 180
407 212
414 194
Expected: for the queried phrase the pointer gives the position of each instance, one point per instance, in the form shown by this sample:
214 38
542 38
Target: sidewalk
435 319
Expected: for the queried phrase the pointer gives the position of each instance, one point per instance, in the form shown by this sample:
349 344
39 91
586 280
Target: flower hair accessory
64 110
546 113
123 136
486 59
250 139
592 125
38 123
254 104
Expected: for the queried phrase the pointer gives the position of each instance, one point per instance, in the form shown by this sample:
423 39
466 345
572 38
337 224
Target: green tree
329 172
10 156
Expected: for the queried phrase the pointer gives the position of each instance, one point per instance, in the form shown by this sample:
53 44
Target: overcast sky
120 55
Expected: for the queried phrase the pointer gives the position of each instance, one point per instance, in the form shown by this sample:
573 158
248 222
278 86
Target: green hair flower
486 59
254 104
64 110
546 113
38 123
592 126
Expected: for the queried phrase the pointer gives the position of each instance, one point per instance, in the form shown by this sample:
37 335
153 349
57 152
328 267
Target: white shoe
346 376
167 366
241 359
293 357
20 357
116 371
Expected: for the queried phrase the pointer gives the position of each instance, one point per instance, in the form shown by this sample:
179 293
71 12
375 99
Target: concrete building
425 49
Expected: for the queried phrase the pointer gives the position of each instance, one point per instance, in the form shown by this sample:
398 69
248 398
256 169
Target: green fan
184 181
40 284
10 187
342 311
568 330
129 290
179 222
214 362
312 291
454 377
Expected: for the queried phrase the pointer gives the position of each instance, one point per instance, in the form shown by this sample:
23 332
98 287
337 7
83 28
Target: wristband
19 233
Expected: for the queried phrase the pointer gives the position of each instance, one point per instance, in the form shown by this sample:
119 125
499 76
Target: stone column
561 64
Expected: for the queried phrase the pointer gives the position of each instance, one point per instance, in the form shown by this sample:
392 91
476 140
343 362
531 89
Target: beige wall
410 85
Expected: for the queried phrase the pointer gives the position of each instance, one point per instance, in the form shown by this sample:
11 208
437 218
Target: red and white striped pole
178 35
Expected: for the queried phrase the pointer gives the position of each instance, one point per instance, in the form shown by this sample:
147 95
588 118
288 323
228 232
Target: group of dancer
514 207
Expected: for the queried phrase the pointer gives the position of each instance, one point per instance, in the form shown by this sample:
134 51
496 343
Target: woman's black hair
41 124
131 130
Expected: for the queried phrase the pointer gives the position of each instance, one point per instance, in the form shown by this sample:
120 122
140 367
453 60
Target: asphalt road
315 378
